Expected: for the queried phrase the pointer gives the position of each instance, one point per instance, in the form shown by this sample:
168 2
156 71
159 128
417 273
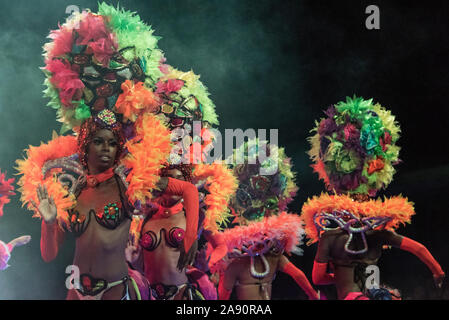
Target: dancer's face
102 151
175 174
170 200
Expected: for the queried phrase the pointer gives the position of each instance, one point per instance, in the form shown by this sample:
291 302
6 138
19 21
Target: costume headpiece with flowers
104 70
185 99
261 194
101 70
92 56
354 150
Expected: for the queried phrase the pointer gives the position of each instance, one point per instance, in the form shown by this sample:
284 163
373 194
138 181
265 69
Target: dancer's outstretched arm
19 241
289 268
393 239
219 246
190 197
52 235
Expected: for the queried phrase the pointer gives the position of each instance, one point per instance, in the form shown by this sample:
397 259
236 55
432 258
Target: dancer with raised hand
100 72
354 150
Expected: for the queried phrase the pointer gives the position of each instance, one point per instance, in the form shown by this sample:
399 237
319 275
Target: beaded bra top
110 216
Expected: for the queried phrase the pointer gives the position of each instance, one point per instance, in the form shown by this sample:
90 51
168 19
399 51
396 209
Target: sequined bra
149 240
110 216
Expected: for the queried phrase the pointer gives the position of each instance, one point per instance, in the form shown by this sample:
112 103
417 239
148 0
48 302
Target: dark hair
186 170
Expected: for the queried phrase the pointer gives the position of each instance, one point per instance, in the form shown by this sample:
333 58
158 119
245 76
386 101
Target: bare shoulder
388 237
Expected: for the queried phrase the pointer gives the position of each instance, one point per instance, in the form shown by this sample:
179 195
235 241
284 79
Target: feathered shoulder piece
47 165
341 211
221 184
283 230
278 233
149 151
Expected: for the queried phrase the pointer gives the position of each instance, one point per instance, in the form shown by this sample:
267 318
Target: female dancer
184 100
100 69
255 249
354 152
101 220
161 233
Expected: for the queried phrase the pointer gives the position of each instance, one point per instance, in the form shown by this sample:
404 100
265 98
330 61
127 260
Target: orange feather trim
6 190
398 208
287 228
221 185
321 170
148 153
135 99
31 170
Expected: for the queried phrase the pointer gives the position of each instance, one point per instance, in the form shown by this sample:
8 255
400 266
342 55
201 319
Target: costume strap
136 289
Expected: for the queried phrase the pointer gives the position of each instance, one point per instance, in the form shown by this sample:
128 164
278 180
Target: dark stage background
267 64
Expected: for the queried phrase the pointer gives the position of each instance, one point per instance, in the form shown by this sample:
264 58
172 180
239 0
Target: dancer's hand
20 241
47 206
132 253
438 279
214 278
189 258
80 184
